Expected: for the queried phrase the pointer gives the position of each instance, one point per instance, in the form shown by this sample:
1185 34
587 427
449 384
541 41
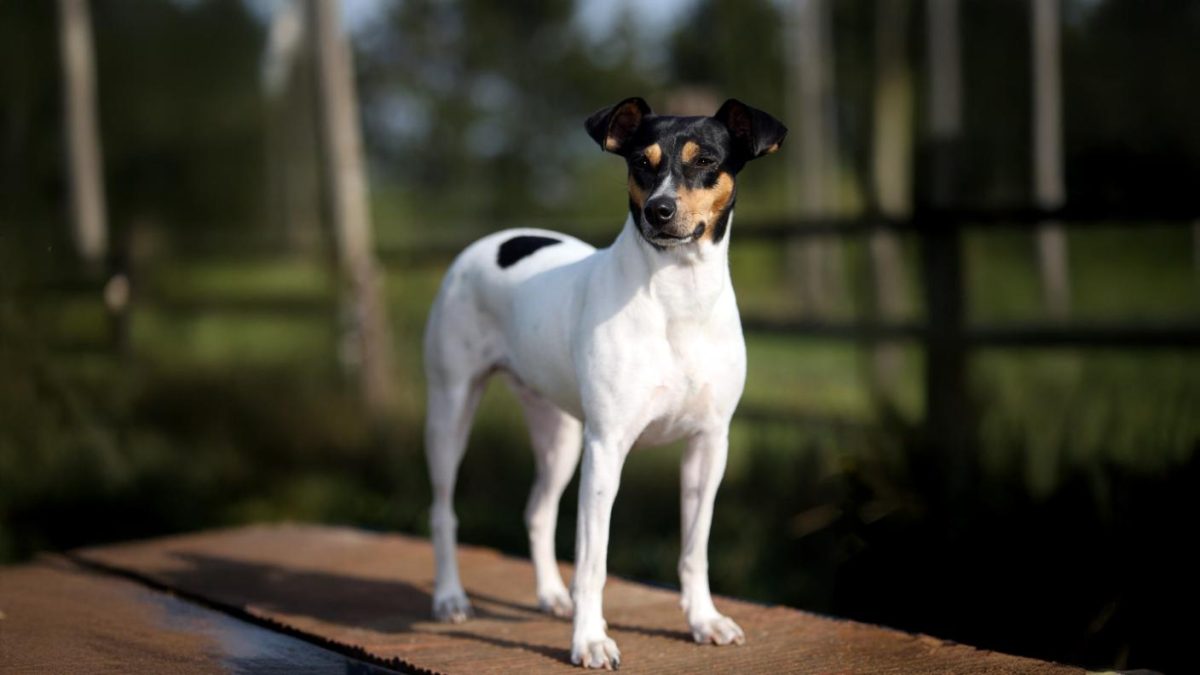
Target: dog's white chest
698 380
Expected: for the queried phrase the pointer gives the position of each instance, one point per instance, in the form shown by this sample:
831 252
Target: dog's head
683 170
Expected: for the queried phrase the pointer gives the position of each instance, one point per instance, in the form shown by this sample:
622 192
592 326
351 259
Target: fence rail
1146 335
944 332
1149 334
922 220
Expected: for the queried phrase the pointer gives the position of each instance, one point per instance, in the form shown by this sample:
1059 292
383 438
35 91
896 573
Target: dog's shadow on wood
622 627
341 601
345 601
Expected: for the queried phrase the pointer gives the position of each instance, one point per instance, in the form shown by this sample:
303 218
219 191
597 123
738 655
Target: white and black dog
636 344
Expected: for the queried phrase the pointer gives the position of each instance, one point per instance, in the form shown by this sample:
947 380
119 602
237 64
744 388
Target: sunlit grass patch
278 277
235 340
1046 413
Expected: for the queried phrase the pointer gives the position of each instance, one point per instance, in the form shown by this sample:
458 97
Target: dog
636 344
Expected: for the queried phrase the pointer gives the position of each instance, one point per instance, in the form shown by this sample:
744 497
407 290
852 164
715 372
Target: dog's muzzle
659 218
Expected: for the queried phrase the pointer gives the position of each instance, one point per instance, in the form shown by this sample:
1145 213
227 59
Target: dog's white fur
622 347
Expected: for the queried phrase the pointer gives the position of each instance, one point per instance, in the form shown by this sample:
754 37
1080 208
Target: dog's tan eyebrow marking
653 155
690 150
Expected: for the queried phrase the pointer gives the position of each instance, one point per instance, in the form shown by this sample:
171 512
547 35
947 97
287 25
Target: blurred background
970 284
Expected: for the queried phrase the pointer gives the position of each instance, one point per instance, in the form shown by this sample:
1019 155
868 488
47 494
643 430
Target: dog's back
474 314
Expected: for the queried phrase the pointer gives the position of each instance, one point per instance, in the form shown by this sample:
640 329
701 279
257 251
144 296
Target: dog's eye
641 162
705 162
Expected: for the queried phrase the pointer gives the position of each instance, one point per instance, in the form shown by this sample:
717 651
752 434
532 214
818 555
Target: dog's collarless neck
686 280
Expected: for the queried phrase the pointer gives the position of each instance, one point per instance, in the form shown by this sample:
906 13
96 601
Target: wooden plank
369 594
57 617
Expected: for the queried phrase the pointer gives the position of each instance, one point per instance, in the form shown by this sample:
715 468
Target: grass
1125 274
1046 414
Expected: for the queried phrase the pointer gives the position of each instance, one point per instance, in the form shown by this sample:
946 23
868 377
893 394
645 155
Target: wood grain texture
57 617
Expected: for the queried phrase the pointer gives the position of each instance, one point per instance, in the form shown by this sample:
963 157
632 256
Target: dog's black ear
614 126
755 132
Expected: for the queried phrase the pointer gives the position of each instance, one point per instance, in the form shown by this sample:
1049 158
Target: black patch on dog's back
516 248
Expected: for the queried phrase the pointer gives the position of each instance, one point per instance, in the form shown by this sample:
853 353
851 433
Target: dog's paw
452 608
598 653
556 603
718 630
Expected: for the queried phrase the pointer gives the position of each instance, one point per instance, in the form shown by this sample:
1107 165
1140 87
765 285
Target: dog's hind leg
557 438
448 424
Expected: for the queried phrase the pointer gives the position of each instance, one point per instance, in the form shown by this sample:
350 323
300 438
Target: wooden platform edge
239 612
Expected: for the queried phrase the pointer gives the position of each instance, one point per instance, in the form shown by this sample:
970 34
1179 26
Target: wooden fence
944 333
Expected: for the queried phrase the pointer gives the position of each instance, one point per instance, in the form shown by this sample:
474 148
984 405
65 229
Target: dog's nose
660 210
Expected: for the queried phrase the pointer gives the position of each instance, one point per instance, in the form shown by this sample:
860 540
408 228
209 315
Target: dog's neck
686 280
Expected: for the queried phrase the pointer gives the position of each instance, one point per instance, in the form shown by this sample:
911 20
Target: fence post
1049 186
891 185
813 166
947 409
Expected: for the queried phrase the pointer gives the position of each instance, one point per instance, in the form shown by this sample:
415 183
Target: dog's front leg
599 478
703 467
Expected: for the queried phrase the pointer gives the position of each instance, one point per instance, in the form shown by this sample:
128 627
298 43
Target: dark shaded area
1092 574
1127 139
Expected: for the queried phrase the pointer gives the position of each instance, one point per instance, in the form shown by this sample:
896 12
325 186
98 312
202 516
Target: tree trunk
292 180
367 345
813 169
1048 183
891 164
86 164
